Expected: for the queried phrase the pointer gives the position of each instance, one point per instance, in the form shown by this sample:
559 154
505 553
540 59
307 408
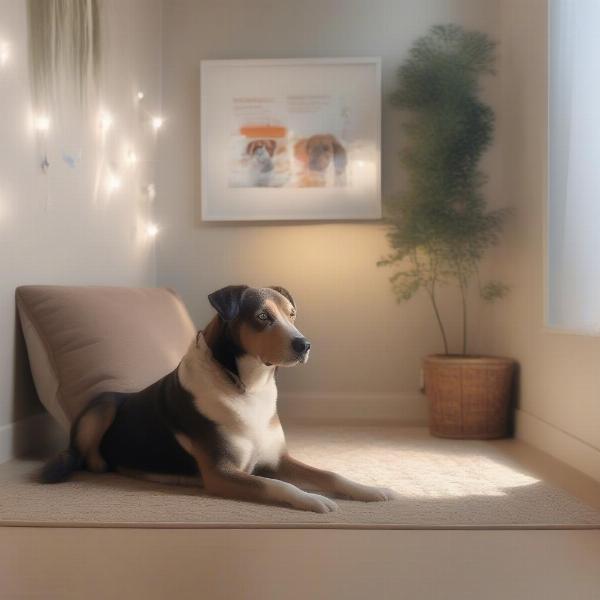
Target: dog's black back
139 437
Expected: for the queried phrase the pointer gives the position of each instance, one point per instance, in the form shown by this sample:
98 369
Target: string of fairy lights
42 124
4 53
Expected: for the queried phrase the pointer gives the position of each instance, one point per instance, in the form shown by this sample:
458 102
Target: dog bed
82 341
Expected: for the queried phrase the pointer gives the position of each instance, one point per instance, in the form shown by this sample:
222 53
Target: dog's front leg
228 482
298 473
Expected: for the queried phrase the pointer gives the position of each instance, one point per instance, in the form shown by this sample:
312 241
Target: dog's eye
263 316
293 315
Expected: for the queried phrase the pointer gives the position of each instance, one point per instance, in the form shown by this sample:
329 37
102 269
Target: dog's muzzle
301 346
304 357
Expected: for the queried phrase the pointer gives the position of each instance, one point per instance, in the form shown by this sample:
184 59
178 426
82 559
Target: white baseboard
35 436
405 408
559 444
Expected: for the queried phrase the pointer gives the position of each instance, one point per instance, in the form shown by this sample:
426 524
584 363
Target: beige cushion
85 340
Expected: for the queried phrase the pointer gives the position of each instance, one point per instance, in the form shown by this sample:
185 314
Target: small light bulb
4 53
152 230
131 158
106 121
151 191
157 123
113 183
42 123
139 96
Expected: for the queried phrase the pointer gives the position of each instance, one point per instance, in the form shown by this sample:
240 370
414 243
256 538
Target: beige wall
54 228
362 341
560 374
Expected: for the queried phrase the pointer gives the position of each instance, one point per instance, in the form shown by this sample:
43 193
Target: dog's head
259 322
267 146
322 149
261 153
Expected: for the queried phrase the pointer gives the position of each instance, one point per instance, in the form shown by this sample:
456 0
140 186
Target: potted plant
440 227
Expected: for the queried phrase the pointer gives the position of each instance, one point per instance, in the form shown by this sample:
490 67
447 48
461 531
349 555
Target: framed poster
294 139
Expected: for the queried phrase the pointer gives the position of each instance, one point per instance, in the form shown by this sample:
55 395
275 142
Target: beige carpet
443 484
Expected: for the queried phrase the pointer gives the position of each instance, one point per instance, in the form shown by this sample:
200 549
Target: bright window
574 203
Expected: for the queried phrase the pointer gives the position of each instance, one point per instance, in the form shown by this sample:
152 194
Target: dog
315 154
213 420
260 154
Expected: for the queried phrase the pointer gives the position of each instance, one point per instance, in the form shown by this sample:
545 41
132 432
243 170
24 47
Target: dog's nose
300 345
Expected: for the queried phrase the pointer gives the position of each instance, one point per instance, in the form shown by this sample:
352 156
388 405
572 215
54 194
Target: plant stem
463 297
437 315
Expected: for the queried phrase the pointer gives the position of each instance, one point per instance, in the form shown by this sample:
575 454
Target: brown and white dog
214 418
260 154
316 154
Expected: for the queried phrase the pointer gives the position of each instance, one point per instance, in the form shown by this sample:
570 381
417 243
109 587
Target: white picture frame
291 139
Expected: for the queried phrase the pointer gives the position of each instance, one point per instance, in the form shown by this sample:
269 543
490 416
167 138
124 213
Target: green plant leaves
493 290
439 225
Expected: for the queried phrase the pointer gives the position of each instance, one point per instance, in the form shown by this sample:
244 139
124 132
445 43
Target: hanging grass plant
64 47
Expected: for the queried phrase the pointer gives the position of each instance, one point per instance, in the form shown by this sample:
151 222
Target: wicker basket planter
469 396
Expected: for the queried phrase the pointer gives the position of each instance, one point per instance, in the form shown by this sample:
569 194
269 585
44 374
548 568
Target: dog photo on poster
291 139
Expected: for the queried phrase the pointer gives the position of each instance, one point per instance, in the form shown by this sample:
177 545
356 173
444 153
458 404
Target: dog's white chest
253 438
244 420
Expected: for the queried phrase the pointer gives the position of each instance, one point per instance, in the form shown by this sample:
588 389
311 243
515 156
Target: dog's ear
227 301
340 159
271 145
250 148
283 292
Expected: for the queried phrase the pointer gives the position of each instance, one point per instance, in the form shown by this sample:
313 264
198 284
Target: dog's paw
314 503
367 493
